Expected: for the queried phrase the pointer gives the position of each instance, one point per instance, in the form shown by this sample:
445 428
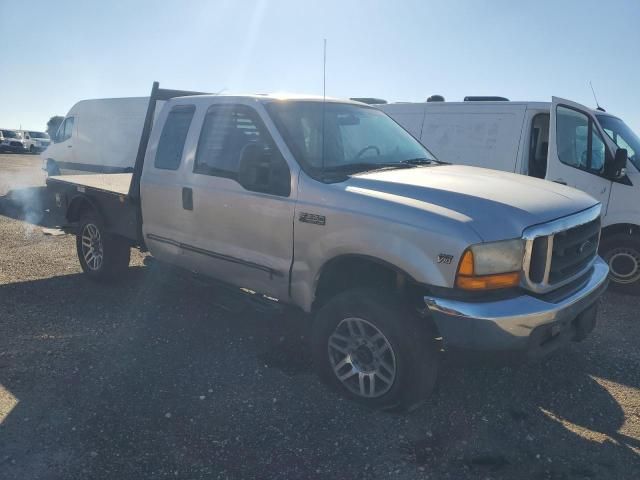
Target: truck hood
496 205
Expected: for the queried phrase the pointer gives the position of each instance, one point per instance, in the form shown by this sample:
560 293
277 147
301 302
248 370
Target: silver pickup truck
332 207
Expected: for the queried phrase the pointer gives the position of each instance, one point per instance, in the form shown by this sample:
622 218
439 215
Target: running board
235 300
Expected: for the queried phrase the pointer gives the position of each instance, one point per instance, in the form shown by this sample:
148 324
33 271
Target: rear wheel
622 252
103 256
371 348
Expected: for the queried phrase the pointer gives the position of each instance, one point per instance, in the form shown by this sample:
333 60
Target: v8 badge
445 258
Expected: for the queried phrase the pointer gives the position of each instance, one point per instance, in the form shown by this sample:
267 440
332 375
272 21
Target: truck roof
269 97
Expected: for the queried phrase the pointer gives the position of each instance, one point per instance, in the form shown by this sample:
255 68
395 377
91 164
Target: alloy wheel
362 358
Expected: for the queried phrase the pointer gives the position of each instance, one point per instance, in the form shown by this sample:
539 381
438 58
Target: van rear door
578 150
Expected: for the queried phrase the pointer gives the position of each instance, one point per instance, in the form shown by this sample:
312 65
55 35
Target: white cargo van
35 142
561 141
97 136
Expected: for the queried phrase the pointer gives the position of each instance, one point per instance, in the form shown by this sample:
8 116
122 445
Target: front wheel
103 256
622 252
371 348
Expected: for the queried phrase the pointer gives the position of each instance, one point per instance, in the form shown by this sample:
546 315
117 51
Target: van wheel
622 252
103 256
371 348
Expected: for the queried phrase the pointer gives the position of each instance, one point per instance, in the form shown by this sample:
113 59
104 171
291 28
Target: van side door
578 150
242 201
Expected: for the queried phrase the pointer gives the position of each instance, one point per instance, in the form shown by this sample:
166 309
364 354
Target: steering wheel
369 147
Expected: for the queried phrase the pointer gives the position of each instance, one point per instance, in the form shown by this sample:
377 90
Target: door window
227 129
578 142
233 135
65 130
173 136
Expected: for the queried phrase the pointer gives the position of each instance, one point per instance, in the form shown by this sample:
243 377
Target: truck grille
573 250
558 252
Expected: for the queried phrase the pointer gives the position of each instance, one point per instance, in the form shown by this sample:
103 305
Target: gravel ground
162 376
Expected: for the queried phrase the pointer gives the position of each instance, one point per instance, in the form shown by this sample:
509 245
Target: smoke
24 196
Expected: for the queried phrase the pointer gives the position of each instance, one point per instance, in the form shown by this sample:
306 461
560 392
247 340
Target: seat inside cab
539 146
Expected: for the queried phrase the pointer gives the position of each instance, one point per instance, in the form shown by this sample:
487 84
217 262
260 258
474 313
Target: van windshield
38 135
10 134
356 138
623 136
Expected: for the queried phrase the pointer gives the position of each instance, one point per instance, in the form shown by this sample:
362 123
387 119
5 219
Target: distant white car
35 142
11 141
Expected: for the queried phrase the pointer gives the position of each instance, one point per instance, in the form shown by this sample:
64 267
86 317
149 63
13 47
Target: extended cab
332 207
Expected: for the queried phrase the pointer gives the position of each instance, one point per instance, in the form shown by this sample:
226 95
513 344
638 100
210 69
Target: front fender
427 257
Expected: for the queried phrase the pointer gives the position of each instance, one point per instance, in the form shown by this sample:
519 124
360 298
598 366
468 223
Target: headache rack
559 252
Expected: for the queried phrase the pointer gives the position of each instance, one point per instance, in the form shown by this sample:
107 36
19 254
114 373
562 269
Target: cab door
240 233
61 151
578 150
165 209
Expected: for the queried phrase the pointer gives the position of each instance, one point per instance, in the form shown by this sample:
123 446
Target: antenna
324 96
595 98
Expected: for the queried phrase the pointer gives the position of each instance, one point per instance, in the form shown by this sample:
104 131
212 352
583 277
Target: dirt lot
162 376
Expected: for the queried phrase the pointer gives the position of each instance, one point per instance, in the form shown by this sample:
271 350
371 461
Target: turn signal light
467 280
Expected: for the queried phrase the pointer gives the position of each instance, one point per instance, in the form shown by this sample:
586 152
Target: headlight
489 266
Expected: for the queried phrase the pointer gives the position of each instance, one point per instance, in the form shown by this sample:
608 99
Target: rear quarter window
173 136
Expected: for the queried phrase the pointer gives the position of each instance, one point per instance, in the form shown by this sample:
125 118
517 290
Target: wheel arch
628 228
81 204
357 270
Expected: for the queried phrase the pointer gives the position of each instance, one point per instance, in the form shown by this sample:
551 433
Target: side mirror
261 169
618 168
27 137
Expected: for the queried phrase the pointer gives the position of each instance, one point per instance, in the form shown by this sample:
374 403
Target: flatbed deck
105 193
105 182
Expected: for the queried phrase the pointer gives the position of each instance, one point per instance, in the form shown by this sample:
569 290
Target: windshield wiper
418 161
352 168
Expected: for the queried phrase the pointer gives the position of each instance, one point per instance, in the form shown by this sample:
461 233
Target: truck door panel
240 236
165 220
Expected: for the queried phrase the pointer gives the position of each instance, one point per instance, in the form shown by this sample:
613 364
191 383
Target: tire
32 150
622 252
366 333
103 256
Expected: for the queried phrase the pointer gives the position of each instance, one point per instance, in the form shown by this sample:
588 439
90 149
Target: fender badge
445 258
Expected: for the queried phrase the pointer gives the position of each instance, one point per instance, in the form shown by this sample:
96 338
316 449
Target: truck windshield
623 136
356 138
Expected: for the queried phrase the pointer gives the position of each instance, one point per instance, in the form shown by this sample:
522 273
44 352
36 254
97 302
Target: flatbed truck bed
116 183
106 193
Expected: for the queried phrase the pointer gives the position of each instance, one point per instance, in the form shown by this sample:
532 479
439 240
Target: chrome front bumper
533 324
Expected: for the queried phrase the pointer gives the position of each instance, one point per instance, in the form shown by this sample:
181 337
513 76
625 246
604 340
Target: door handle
187 198
560 181
69 146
